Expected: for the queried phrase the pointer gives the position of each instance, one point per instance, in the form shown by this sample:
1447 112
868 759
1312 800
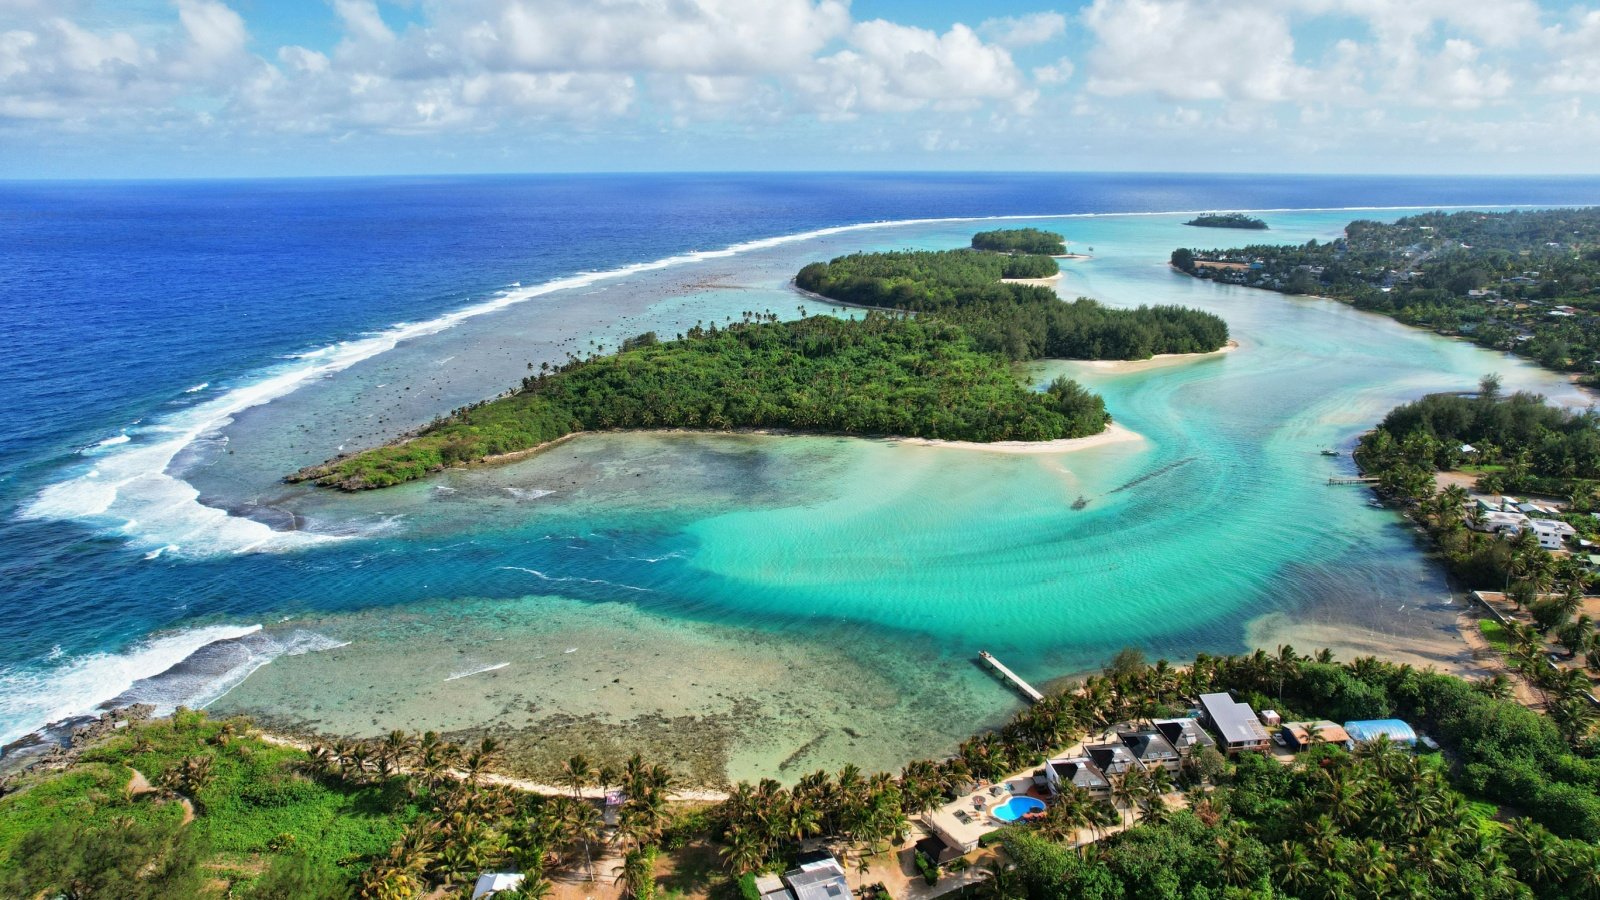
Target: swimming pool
1016 808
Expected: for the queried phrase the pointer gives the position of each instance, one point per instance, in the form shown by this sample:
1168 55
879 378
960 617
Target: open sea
738 605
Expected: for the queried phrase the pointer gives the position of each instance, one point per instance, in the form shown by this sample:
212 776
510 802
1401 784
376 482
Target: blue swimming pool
1016 808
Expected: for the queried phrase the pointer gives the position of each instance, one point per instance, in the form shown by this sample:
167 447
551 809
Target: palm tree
1000 882
1537 855
742 853
189 777
637 874
577 770
1300 876
584 827
1130 789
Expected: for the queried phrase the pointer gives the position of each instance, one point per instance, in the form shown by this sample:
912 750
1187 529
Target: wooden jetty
1353 479
1023 688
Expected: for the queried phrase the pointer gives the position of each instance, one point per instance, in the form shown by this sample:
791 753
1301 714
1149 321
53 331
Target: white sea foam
493 668
197 388
30 698
156 553
542 576
131 482
528 493
112 441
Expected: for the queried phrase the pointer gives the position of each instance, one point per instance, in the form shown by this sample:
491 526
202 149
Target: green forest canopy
1020 321
880 375
1020 240
1228 220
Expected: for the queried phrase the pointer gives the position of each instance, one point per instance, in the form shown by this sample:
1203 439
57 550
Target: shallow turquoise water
821 599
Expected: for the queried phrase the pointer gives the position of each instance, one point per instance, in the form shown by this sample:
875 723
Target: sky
223 88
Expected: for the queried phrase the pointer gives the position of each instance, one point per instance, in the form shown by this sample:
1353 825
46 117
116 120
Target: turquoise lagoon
750 605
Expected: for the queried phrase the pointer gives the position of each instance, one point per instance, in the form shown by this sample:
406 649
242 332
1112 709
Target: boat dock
1023 688
1353 479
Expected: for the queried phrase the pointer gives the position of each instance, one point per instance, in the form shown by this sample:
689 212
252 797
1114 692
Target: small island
933 358
1021 240
1228 220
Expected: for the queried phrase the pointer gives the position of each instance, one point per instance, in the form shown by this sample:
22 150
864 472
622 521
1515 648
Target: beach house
1185 735
1079 771
1113 758
1235 723
817 876
1152 749
1299 736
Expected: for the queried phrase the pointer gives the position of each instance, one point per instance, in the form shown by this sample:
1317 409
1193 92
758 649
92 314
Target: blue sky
161 88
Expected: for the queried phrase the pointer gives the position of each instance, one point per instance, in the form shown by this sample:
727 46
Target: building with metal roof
1235 723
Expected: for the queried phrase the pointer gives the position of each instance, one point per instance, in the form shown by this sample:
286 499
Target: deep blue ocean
124 301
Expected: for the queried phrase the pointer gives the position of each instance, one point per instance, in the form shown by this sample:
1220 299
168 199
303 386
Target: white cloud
1193 50
1024 31
1573 61
1058 72
889 68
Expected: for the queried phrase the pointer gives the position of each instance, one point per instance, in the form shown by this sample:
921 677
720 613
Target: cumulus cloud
1193 50
890 67
1024 31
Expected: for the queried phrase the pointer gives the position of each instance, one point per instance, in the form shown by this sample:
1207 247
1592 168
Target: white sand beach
1051 279
1114 434
1157 361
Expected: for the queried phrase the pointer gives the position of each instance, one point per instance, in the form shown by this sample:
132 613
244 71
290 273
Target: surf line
478 671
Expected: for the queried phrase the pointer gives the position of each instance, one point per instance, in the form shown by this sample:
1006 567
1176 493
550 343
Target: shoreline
1160 359
1113 434
1042 282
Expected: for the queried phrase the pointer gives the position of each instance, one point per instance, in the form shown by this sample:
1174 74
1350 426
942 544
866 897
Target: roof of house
1111 757
1149 746
1184 733
1235 721
1369 729
1080 771
818 880
491 882
1302 732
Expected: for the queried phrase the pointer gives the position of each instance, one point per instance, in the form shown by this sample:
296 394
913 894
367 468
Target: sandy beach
1114 434
1157 361
1047 280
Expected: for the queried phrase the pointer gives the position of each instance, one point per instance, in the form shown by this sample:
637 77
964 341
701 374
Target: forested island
1228 220
933 361
1527 282
1019 321
1020 240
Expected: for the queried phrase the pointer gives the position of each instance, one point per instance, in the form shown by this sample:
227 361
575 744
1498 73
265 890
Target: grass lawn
1495 634
257 804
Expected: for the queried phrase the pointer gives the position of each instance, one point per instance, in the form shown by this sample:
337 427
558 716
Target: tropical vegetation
878 375
1510 809
1020 240
1228 220
1018 321
1526 281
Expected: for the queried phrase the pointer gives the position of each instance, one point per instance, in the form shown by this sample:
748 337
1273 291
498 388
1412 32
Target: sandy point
1114 434
1157 361
1049 279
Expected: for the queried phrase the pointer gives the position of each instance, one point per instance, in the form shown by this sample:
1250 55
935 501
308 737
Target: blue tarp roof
1369 729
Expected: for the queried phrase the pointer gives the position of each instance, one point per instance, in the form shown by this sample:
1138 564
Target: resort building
1112 759
1152 749
1553 533
1185 735
1498 522
1299 736
1079 771
1372 729
1235 723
